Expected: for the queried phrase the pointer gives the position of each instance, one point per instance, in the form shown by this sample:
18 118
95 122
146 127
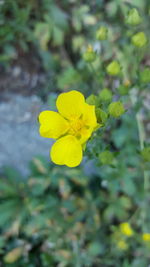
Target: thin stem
93 71
142 138
141 130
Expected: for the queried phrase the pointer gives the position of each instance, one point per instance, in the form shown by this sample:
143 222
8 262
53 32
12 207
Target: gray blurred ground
19 137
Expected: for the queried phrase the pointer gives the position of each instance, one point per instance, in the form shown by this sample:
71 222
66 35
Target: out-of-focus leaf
43 34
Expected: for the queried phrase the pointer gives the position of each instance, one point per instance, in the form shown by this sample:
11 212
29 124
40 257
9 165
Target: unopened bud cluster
116 109
145 75
106 157
89 55
133 18
102 33
113 68
139 39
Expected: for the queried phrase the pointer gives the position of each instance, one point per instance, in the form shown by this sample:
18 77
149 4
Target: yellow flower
122 245
126 229
146 237
71 126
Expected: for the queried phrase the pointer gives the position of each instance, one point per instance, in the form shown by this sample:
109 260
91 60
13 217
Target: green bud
127 83
102 33
116 109
13 255
113 68
139 39
91 100
105 95
145 75
146 154
123 90
106 157
133 17
89 55
101 116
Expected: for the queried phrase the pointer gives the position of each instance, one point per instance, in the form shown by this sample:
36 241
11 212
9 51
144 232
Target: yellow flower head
146 237
122 245
126 229
71 126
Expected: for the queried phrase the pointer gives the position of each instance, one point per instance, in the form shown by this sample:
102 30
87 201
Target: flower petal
71 104
89 115
52 124
90 121
67 151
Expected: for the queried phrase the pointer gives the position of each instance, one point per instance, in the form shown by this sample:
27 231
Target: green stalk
142 138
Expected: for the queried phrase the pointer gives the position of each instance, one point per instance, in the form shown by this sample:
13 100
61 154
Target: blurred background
56 216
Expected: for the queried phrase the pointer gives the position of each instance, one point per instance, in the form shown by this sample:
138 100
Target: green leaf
43 33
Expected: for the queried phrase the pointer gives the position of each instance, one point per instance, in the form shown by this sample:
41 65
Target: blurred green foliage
62 217
58 33
59 216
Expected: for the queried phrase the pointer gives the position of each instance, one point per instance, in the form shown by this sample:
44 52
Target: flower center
76 126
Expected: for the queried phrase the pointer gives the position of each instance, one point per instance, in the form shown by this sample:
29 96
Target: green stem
141 130
146 177
93 71
142 138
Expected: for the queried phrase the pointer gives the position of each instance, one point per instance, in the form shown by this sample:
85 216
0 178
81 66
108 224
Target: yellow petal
71 104
52 124
89 115
90 122
85 135
66 151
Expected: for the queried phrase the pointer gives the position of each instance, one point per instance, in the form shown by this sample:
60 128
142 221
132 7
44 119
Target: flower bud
146 154
116 109
105 95
106 157
127 83
123 90
89 55
122 244
133 17
146 237
113 68
91 100
126 229
139 39
101 116
145 75
102 33
13 255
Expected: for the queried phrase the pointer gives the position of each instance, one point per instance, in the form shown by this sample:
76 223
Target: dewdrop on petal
139 39
113 68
